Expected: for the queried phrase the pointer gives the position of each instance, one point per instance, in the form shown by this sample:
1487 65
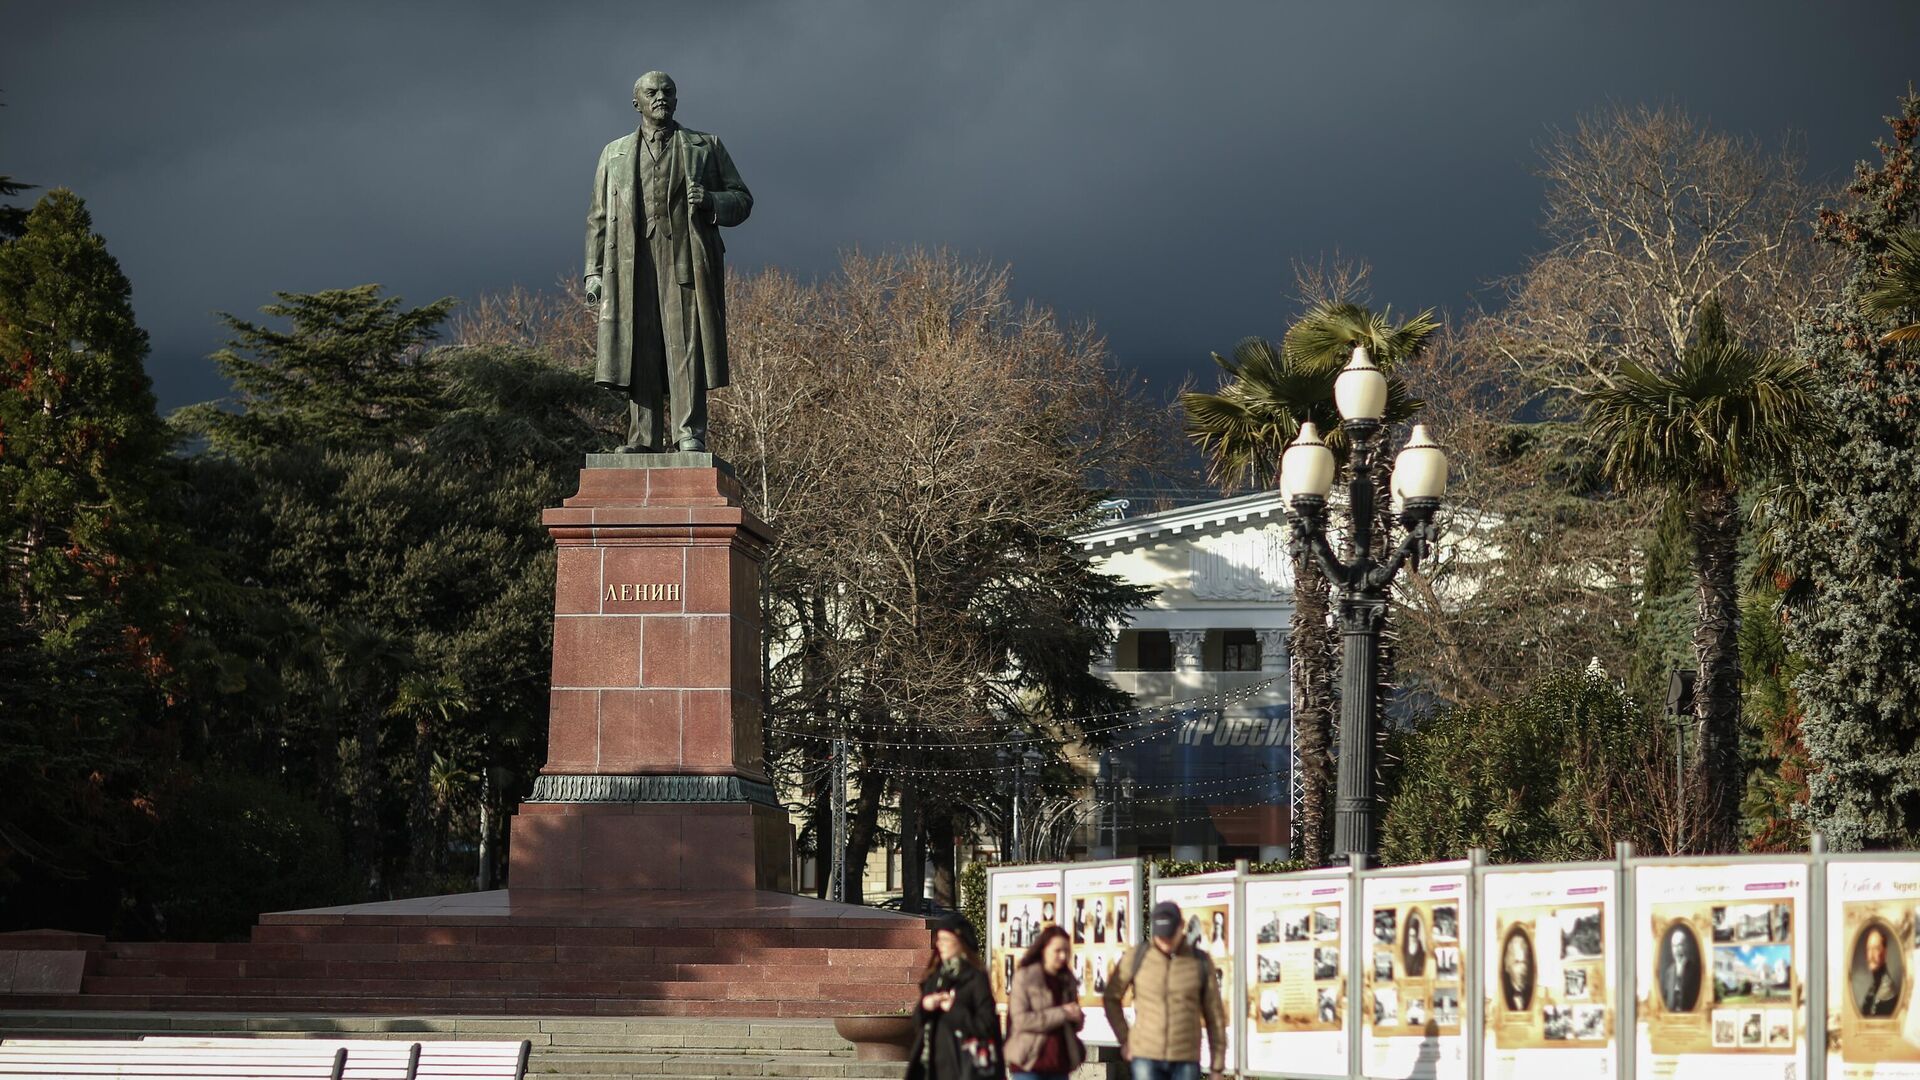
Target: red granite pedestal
655 777
650 865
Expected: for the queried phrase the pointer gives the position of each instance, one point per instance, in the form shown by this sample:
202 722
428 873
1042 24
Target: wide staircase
570 1048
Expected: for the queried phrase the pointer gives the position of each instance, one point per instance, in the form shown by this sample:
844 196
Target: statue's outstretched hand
593 288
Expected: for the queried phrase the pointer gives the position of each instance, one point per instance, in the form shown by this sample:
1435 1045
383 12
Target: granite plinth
605 845
656 679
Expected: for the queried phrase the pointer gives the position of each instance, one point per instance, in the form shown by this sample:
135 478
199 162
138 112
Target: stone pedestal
655 777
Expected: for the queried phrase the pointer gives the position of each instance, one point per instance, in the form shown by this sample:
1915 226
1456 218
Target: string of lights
1165 713
1148 712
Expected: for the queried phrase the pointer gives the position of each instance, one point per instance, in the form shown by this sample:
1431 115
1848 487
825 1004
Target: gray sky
1152 167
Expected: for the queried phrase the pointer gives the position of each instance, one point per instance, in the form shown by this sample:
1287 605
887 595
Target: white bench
85 1059
367 1059
442 1059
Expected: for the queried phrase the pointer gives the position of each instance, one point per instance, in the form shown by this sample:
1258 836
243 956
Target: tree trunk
863 821
1717 776
422 821
939 832
1313 721
821 813
913 884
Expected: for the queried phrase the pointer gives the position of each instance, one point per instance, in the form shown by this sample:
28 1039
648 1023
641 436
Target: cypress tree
1853 549
85 614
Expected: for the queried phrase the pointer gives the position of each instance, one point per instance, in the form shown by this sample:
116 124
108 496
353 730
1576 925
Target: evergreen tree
84 596
1853 550
386 495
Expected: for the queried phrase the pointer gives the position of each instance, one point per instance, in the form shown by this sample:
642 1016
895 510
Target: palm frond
1721 414
1896 289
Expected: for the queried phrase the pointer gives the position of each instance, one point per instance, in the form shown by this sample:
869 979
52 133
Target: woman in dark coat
958 1027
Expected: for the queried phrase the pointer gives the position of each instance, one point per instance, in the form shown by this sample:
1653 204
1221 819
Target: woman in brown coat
1043 1007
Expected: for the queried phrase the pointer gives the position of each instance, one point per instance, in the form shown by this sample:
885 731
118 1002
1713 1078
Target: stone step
811 1007
682 1065
540 1030
318 959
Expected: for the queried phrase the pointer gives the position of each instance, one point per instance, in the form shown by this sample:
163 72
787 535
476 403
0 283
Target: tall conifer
1855 554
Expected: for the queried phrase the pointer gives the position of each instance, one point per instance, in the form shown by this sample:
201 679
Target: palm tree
1723 415
1268 391
1896 289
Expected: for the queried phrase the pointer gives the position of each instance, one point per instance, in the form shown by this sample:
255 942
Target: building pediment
1227 552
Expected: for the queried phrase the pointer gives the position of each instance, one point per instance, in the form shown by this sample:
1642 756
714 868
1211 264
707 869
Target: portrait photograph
1446 961
1383 966
1327 1003
1876 971
1677 969
1413 946
1386 1006
1589 1021
1517 969
1446 1006
1446 923
1268 1009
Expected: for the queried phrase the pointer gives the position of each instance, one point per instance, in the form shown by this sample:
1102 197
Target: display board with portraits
1549 966
1873 953
1207 903
1720 960
1297 947
1100 912
1021 902
1413 971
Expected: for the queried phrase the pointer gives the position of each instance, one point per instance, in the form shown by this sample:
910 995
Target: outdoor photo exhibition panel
1101 911
1207 902
1020 903
1296 943
1720 963
1550 964
1873 952
1413 968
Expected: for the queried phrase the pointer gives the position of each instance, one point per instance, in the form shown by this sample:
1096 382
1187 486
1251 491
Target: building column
1189 649
1273 651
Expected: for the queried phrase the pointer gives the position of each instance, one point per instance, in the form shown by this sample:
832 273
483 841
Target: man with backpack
1175 998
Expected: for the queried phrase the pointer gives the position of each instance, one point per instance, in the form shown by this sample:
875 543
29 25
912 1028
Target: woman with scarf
1044 1006
958 1027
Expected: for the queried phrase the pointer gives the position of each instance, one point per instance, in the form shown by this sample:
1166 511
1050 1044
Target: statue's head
655 97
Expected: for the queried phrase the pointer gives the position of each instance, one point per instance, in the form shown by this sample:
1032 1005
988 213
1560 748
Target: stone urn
877 1038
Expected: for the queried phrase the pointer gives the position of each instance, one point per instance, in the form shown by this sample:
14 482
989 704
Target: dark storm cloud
1152 167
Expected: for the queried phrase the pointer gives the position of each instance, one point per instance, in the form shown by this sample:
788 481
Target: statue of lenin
655 265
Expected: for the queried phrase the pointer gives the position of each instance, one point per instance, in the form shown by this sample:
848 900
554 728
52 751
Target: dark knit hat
959 927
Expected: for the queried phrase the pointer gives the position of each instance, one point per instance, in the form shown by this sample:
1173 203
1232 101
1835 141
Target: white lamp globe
1420 472
1307 466
1360 393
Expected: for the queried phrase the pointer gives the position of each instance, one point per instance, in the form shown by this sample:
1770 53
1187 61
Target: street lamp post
1362 582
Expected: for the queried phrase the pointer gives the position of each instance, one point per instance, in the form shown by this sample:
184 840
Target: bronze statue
655 265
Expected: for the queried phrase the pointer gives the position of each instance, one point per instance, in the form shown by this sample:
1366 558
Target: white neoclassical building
1216 782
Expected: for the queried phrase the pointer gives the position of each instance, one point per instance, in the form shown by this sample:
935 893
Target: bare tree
1649 212
924 446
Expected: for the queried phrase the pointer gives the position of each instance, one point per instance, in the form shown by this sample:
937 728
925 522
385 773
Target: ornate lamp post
1361 582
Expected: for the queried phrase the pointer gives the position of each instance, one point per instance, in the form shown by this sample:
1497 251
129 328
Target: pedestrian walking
1043 1008
958 1027
1175 999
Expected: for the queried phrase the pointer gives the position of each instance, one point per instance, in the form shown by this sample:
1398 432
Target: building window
1239 650
1154 651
